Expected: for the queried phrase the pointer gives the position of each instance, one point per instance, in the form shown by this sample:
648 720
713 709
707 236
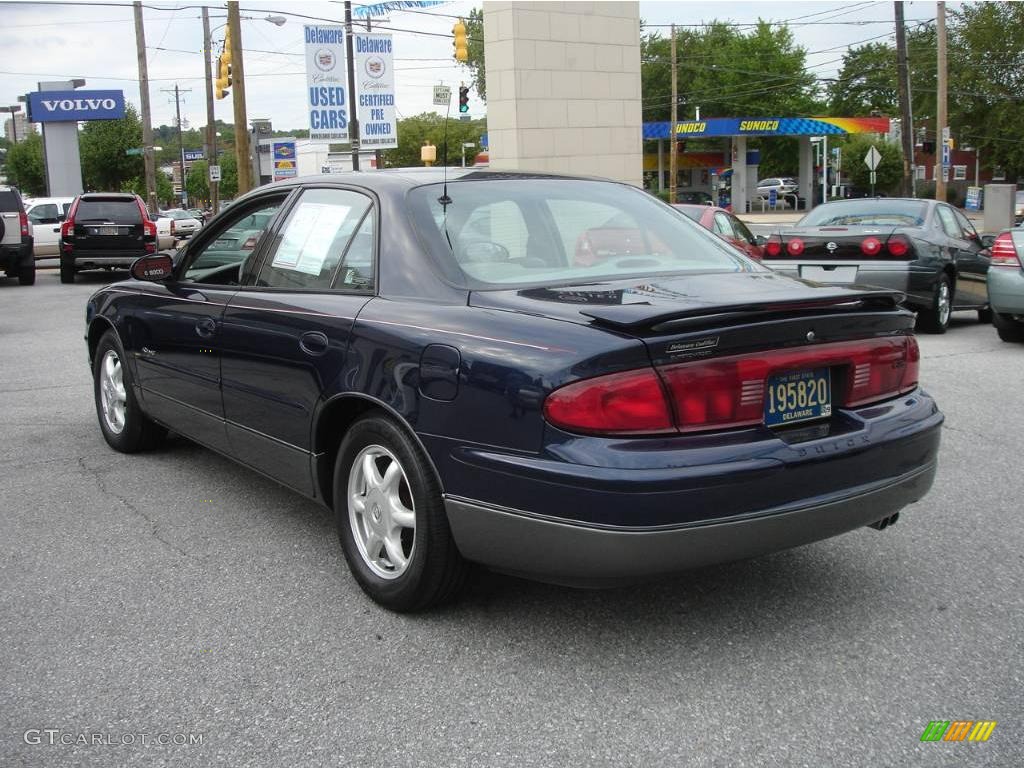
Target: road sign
191 155
465 118
442 95
872 158
214 173
135 151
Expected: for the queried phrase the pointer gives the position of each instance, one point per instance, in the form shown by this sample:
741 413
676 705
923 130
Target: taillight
250 243
67 229
870 246
619 403
1004 252
898 246
23 220
149 236
773 247
729 392
172 226
795 246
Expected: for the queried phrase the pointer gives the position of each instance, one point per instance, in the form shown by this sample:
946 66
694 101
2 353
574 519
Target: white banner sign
375 88
326 81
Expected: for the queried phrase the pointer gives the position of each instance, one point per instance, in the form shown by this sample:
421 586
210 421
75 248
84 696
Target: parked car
1006 284
726 226
15 237
183 223
555 377
105 230
782 186
45 214
165 238
928 250
692 197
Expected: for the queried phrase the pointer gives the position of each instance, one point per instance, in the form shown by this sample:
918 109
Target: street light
14 121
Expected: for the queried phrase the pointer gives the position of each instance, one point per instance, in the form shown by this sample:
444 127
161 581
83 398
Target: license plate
798 396
108 230
825 274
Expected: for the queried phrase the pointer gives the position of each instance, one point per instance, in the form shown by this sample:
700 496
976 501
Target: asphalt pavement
177 594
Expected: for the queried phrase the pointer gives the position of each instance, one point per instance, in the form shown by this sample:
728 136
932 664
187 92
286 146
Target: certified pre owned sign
73 106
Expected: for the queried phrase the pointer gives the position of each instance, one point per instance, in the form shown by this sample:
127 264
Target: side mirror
987 241
153 268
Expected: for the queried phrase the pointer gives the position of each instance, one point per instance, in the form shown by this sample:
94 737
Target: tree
104 145
164 188
866 82
25 165
197 183
475 47
228 176
414 131
889 173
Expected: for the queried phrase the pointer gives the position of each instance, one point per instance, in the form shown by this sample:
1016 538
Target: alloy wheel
113 398
381 511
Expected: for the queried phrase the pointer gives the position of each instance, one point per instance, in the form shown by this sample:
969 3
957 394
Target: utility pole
211 127
181 142
941 132
353 121
906 116
238 97
673 160
148 161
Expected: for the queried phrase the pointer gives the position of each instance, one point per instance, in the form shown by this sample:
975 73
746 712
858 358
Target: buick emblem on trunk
831 245
811 336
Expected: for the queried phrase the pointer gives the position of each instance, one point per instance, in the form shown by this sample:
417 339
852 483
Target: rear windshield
117 210
9 201
178 215
867 212
504 232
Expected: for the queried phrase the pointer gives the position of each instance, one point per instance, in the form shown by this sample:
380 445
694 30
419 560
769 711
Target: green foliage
228 186
197 182
414 131
475 62
103 145
164 188
25 166
889 173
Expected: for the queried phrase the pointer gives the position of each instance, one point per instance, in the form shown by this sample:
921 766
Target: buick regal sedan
554 377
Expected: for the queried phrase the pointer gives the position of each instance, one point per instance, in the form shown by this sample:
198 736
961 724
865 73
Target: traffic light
460 43
223 81
463 99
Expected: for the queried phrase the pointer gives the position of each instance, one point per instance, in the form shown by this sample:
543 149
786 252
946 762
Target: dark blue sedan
555 377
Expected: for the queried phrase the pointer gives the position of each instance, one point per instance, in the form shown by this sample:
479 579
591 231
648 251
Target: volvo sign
74 106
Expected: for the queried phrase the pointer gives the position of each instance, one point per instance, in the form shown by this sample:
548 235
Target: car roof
415 177
107 196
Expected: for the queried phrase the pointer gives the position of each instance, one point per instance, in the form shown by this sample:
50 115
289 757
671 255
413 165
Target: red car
726 226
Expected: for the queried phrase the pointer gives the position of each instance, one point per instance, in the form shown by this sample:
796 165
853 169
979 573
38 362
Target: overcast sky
58 41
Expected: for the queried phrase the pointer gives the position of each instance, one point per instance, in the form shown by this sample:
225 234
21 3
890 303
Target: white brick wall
563 87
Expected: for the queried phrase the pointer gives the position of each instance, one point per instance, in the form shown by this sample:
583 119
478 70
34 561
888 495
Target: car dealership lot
175 592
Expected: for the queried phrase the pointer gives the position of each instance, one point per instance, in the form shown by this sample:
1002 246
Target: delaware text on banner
326 75
375 89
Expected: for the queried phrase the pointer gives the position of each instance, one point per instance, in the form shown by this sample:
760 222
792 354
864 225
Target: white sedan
184 224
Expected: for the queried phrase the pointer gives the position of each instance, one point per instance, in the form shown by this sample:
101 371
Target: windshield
867 212
505 232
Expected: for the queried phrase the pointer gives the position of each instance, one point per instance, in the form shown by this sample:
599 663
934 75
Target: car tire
1009 330
985 315
935 319
27 274
125 427
67 271
391 519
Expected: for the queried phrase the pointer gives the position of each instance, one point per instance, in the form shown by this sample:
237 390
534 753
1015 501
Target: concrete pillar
739 174
61 156
806 175
563 87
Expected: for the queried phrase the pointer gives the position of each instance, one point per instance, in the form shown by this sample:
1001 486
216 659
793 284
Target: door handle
314 343
206 327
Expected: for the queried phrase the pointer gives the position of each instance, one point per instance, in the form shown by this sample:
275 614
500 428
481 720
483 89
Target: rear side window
948 221
43 211
9 201
116 210
723 226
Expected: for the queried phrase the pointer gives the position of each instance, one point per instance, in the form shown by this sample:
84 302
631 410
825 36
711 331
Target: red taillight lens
149 236
795 246
67 229
249 244
870 246
1004 252
619 403
898 246
729 392
773 247
23 219
172 226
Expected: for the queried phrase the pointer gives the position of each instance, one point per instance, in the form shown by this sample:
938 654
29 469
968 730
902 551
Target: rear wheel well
331 426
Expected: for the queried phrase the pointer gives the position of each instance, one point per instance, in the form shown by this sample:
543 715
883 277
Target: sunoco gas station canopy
767 126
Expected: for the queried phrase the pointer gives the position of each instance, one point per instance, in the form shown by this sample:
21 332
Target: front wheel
985 315
125 427
391 519
67 271
935 319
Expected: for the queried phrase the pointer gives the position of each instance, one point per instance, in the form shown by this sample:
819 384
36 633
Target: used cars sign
72 106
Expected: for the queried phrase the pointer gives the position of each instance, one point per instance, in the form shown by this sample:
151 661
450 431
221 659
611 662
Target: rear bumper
87 259
560 552
916 281
1006 290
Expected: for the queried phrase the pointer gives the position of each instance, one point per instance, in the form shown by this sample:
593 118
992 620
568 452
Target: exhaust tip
885 522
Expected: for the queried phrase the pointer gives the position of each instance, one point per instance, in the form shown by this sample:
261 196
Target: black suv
104 229
15 238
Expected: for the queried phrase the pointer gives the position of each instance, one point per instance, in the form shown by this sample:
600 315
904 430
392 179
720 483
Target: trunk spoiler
644 316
